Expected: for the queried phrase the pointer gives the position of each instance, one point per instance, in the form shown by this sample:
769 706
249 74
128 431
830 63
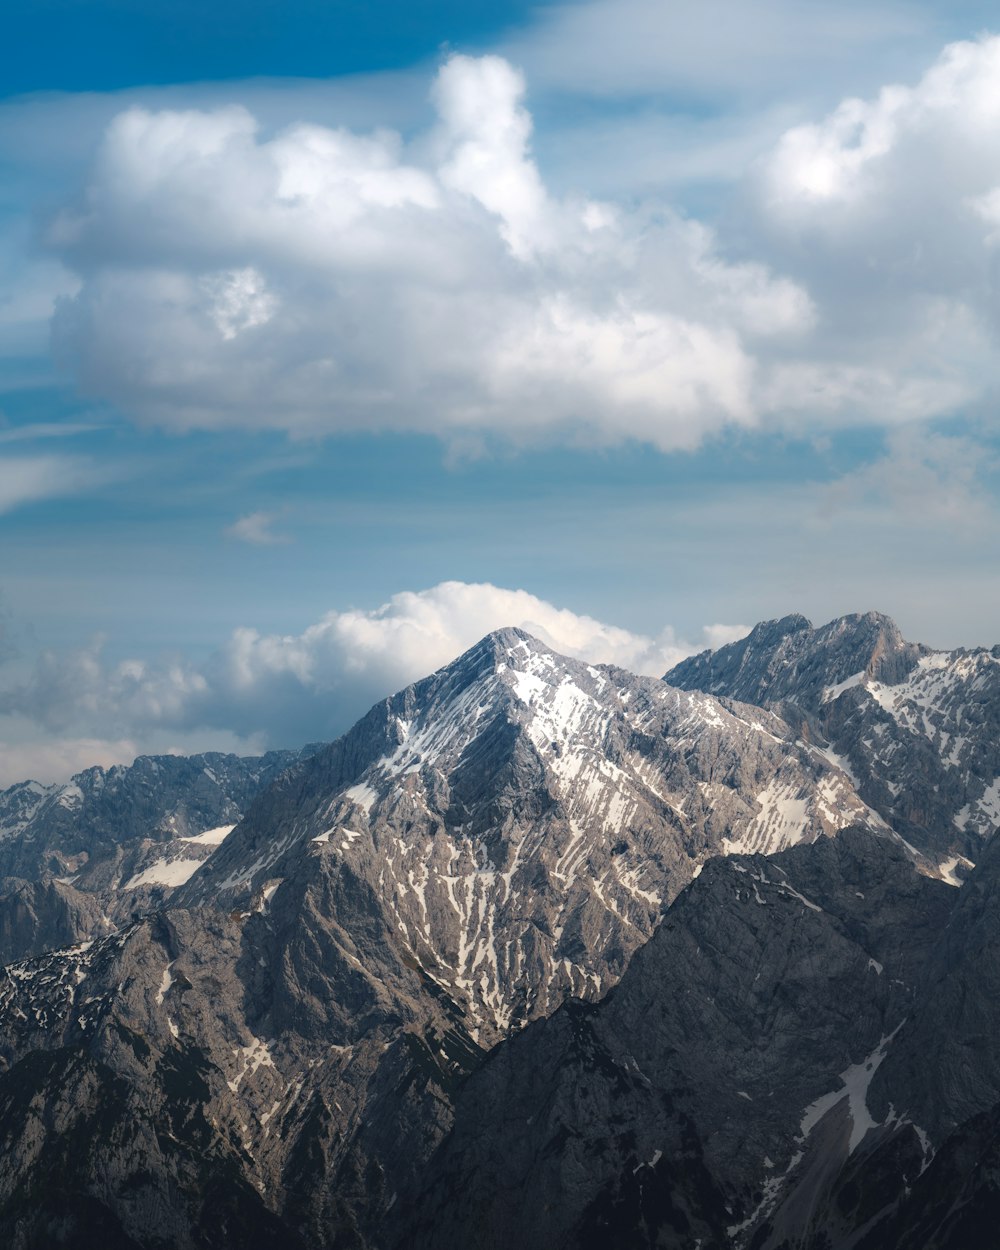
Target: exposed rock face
789 659
918 729
705 1095
793 1060
520 819
455 980
212 1080
123 837
40 916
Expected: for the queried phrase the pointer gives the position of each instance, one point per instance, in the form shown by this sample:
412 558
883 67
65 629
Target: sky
335 335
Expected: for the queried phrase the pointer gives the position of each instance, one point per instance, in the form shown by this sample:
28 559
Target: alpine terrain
538 954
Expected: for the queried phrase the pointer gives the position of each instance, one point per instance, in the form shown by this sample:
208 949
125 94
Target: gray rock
918 729
520 820
125 837
539 953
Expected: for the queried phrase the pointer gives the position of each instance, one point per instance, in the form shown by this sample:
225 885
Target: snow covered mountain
655 960
919 730
520 819
77 859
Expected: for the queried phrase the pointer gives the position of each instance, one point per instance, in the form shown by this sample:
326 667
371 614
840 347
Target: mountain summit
790 659
521 819
918 729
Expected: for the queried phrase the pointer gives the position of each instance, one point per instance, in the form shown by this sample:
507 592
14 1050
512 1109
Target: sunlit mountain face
663 961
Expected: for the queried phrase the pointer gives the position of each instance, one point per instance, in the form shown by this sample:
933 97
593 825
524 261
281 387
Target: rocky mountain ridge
539 951
521 819
77 859
918 729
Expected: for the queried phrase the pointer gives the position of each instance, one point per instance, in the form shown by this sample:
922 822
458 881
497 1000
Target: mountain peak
509 647
501 643
791 658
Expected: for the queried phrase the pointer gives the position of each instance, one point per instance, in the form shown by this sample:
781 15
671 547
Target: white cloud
882 211
255 528
320 280
485 134
896 189
27 479
313 685
240 300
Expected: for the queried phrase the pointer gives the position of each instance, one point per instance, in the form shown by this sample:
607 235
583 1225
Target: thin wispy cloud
256 529
45 430
30 479
715 50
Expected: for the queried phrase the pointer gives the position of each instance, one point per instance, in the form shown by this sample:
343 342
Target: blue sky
333 335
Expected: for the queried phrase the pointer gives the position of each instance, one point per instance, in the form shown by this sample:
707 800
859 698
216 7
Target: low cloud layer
288 689
58 759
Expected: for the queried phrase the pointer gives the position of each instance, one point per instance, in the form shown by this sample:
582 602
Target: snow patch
834 692
363 795
166 981
855 1081
212 837
165 872
250 1058
947 869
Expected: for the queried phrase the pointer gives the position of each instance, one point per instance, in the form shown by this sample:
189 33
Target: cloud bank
320 280
284 690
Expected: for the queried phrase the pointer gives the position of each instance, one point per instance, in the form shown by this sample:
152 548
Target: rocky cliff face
918 729
793 1060
540 953
203 1079
520 820
76 859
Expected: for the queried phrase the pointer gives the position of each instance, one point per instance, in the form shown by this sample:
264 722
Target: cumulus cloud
320 280
884 211
292 688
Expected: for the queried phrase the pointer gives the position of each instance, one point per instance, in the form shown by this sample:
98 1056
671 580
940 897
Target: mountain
76 859
797 1058
520 819
538 952
919 730
484 845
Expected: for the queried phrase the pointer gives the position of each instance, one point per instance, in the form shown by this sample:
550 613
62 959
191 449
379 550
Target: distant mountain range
539 954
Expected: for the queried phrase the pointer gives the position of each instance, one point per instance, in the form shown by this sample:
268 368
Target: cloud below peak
287 689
